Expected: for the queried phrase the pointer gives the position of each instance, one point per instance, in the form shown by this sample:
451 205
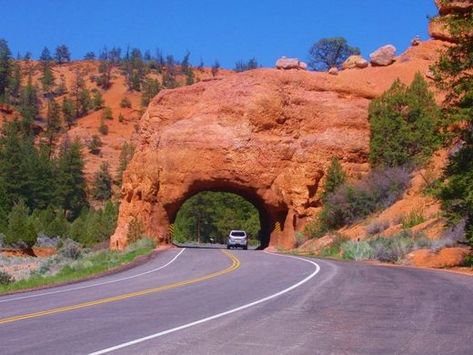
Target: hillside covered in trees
66 137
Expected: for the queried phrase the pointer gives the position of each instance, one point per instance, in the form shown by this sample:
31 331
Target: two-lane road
207 301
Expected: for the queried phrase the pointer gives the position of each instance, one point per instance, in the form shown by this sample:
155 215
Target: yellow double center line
235 265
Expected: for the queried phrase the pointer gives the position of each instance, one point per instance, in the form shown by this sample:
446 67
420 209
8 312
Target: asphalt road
207 301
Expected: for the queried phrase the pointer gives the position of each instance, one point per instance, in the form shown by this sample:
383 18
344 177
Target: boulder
438 30
355 61
290 63
333 71
416 41
383 56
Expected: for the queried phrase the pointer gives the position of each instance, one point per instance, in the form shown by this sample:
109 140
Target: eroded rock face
266 134
438 28
448 7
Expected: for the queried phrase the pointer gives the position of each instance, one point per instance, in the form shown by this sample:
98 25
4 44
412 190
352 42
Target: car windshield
237 234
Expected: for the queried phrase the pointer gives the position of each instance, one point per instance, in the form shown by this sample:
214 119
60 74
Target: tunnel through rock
265 135
208 217
223 206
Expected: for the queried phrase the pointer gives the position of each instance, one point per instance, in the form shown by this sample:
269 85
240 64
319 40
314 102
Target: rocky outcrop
438 28
355 61
266 134
449 7
290 63
383 56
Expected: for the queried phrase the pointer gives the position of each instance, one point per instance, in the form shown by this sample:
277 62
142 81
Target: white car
236 239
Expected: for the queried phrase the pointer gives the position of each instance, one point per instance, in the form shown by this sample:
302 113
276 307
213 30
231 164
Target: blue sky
223 30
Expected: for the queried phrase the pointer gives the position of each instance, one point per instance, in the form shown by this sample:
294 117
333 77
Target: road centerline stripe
219 315
235 265
93 285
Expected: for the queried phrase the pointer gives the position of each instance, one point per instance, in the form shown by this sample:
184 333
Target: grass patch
412 219
386 249
333 250
85 266
391 249
468 261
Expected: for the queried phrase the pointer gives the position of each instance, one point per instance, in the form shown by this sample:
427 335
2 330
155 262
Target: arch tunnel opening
208 217
242 206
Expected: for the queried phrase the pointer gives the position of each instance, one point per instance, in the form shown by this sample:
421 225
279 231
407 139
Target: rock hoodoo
383 56
290 63
265 134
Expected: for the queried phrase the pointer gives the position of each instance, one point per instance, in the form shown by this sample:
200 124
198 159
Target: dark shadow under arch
269 216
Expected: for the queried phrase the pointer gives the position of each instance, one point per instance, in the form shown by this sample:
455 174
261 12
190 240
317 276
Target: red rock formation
437 26
265 134
448 7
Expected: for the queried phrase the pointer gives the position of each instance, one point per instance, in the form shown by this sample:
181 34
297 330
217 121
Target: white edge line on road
219 315
95 284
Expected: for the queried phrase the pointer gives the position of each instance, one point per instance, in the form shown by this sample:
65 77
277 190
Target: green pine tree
12 159
105 78
40 177
71 188
20 228
68 111
47 78
107 113
151 88
404 124
84 103
190 78
4 205
102 183
97 100
94 145
454 75
53 124
126 154
5 67
335 178
14 86
29 106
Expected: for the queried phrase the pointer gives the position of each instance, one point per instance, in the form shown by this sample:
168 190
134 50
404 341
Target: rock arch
266 135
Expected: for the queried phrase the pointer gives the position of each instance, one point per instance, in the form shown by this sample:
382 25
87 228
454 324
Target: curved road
207 301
